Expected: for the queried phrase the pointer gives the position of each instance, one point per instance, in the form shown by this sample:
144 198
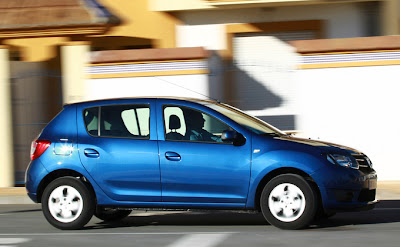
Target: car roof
115 100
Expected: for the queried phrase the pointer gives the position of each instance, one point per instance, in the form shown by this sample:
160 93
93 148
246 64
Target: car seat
174 124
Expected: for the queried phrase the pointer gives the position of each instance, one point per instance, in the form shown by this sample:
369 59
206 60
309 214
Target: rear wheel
288 202
111 214
67 203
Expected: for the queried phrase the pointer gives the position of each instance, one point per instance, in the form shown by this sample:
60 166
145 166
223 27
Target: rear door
118 147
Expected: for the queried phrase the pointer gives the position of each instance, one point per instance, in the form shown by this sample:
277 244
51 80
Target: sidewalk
14 195
387 190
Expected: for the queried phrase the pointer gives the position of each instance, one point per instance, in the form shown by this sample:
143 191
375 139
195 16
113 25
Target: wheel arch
58 174
280 171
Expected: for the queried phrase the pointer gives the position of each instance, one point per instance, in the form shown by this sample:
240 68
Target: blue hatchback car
107 157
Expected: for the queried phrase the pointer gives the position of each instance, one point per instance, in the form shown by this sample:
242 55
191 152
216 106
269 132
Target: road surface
24 225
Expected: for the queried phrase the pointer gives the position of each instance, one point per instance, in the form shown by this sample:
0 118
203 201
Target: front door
196 165
118 147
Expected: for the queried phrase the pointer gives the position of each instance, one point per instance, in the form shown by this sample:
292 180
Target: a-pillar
74 59
6 143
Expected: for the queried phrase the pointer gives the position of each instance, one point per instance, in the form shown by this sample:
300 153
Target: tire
67 203
111 214
289 202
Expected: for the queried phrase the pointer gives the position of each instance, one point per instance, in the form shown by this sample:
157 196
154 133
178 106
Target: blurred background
321 69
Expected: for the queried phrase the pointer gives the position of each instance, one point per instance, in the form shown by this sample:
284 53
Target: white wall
210 36
177 85
264 78
207 28
355 107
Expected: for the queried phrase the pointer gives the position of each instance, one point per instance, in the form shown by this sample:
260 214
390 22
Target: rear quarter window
91 120
118 121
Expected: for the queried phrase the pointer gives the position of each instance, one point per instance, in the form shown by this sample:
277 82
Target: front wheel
67 203
288 202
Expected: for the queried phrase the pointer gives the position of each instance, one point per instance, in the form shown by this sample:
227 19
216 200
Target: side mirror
232 136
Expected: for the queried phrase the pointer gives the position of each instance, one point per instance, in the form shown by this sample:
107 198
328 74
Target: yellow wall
173 5
139 26
179 5
139 21
36 49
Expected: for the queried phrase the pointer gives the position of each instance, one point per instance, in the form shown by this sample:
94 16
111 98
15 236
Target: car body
101 157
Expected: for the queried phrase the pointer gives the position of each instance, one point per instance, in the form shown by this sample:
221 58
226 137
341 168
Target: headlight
342 160
368 161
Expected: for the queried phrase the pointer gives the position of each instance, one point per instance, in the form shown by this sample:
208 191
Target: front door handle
172 156
91 153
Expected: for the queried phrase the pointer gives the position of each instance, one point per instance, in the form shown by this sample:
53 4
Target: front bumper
350 200
346 189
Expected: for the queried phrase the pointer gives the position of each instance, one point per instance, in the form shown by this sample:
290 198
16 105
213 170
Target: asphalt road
24 225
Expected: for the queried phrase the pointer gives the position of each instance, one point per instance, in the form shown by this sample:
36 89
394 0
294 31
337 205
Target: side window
187 124
121 121
91 120
137 121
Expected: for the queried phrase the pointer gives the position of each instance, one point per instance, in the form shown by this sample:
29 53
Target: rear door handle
172 156
91 153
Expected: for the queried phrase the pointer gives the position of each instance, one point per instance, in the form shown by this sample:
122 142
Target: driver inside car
195 131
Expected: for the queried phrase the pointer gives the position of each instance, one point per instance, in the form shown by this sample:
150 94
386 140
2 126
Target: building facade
301 65
52 52
45 46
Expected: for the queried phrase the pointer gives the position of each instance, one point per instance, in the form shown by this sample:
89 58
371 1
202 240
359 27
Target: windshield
253 124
